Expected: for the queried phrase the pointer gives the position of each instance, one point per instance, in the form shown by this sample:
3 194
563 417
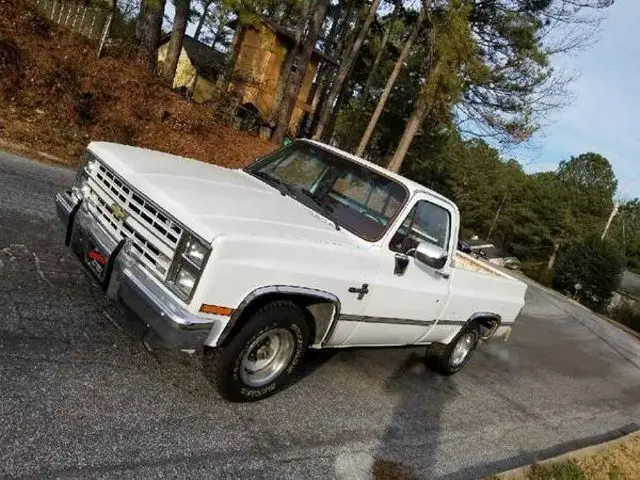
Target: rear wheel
451 358
262 357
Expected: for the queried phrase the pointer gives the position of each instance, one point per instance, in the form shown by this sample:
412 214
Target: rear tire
451 358
262 357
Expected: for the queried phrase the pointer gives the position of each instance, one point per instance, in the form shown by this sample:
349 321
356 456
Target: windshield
353 196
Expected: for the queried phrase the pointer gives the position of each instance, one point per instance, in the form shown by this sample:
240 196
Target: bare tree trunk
364 141
378 59
150 25
296 78
203 17
320 98
353 134
177 37
345 70
413 125
496 217
287 65
552 258
345 41
343 96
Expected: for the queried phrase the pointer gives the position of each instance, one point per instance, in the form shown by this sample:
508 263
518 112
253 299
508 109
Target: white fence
86 21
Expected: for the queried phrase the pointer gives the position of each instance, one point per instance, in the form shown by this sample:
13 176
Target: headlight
89 167
185 281
187 267
195 252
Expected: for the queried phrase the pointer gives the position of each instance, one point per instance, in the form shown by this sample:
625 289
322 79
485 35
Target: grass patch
560 471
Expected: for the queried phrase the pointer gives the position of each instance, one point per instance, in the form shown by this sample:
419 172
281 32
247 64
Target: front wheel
451 358
262 357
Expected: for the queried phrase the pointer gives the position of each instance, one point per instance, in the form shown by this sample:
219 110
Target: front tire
451 358
262 357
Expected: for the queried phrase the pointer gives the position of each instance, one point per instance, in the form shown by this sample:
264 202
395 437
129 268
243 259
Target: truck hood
212 200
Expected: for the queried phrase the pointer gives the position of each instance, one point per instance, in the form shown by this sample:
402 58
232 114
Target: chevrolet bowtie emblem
118 212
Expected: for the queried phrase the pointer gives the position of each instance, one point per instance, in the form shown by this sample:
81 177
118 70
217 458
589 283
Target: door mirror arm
402 261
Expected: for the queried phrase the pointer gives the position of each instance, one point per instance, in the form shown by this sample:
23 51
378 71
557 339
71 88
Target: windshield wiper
282 187
328 211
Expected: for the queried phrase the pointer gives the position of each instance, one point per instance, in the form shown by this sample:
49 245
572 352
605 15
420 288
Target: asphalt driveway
80 397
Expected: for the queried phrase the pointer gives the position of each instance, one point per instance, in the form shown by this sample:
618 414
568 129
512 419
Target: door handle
444 275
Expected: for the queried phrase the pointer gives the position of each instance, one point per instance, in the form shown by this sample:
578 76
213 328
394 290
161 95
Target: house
257 55
259 51
199 66
488 251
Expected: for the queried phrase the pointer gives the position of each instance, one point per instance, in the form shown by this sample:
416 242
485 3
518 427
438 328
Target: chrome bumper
125 280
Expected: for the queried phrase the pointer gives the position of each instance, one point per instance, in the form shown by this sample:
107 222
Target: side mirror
431 255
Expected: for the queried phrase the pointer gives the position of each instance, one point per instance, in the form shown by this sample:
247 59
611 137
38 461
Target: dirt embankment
56 96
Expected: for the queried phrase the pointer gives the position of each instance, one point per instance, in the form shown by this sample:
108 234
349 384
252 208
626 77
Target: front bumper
126 280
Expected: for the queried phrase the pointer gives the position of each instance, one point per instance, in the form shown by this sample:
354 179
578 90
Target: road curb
521 473
561 296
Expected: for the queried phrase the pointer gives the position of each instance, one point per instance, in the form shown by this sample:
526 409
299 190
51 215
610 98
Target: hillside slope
56 96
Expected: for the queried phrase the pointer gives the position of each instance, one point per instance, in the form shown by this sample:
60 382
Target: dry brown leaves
66 97
621 461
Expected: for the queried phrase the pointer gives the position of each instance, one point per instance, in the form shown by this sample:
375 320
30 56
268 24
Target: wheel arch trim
322 331
491 316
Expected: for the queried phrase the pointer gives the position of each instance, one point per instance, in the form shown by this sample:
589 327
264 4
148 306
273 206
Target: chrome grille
154 237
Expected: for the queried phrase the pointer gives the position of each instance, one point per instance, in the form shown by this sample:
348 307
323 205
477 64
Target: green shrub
627 314
537 271
595 266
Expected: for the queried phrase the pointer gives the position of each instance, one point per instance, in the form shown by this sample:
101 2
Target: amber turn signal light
216 310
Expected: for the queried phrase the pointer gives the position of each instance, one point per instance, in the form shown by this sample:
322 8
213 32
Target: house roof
207 60
630 284
287 35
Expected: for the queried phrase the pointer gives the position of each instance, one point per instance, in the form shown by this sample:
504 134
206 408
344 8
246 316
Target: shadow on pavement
415 428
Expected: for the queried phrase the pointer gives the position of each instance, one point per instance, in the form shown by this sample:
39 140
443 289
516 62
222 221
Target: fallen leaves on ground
56 96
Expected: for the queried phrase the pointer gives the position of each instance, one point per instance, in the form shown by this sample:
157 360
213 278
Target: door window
426 222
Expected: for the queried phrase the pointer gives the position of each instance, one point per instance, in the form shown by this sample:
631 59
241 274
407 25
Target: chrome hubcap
267 357
462 349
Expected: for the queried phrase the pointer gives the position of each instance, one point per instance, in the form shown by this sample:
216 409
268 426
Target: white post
93 22
105 32
84 12
66 20
75 18
60 12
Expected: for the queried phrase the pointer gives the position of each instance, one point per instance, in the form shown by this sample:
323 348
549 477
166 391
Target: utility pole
614 211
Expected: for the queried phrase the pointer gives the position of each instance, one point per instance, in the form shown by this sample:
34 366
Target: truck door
407 296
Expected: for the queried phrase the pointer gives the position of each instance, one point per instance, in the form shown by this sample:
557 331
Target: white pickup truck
308 247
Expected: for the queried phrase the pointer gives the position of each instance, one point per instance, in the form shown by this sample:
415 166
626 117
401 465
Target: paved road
81 398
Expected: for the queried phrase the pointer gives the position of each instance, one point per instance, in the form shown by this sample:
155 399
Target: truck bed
479 288
467 262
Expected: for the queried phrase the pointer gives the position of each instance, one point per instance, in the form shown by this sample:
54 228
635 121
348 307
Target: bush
627 314
595 266
559 471
537 271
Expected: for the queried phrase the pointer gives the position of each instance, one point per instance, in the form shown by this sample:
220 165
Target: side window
426 222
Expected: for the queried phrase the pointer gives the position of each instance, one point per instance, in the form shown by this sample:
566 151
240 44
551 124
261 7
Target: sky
604 116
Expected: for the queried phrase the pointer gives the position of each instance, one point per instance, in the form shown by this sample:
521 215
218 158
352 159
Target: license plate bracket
96 259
